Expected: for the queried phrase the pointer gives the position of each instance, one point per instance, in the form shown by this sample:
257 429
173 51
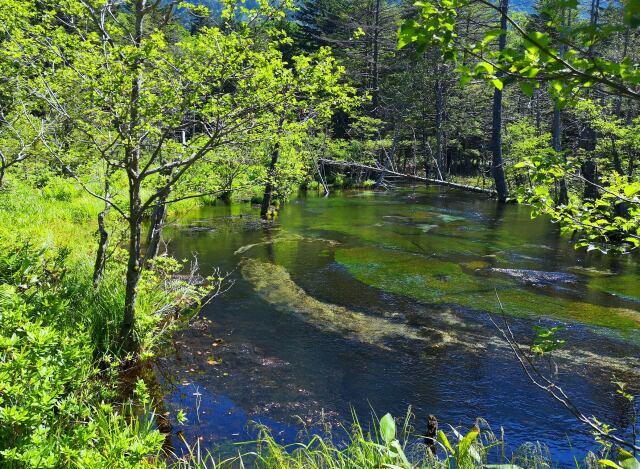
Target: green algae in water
274 284
288 238
590 271
437 281
623 286
424 278
420 229
278 239
412 236
424 227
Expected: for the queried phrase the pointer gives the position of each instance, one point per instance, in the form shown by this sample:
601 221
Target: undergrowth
61 392
384 445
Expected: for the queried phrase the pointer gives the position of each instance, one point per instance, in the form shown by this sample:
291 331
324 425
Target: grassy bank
395 444
61 395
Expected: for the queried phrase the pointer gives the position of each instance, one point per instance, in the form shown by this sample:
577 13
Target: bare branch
551 388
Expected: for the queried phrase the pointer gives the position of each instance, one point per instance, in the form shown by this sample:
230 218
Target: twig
551 388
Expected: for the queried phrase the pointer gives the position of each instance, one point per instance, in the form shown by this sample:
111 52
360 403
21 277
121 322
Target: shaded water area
378 301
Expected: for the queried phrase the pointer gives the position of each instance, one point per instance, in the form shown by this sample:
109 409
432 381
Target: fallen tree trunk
437 182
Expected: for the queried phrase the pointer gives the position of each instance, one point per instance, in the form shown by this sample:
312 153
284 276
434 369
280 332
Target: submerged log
437 182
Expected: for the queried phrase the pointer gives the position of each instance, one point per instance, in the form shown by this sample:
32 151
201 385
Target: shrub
54 409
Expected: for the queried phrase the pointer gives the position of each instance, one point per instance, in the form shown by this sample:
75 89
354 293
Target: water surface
378 301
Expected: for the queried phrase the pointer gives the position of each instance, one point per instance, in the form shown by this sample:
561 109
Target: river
377 301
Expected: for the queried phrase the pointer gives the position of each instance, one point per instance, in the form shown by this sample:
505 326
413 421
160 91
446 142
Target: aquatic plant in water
441 282
274 284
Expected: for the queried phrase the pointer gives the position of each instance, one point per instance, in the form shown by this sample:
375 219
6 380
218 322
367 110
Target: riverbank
64 399
61 380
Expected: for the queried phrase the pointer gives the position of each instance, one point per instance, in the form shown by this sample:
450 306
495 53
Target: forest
319 233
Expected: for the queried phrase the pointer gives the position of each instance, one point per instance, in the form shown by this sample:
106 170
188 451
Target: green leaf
498 84
634 241
442 438
627 461
608 463
538 38
465 444
486 67
632 189
557 86
396 445
632 13
527 88
491 35
407 33
502 466
465 79
387 428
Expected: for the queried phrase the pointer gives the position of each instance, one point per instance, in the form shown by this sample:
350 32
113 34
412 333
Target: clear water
378 301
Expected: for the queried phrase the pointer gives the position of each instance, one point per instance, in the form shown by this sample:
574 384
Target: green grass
387 443
56 215
61 399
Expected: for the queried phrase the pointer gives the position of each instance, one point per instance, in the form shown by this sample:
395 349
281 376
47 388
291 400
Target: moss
476 265
450 218
590 271
425 227
398 232
277 239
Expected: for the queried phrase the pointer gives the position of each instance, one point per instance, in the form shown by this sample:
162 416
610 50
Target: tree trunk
439 182
439 105
538 114
158 217
269 186
625 48
497 165
3 167
617 163
156 224
101 255
589 168
129 341
375 74
426 152
563 194
590 173
103 243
